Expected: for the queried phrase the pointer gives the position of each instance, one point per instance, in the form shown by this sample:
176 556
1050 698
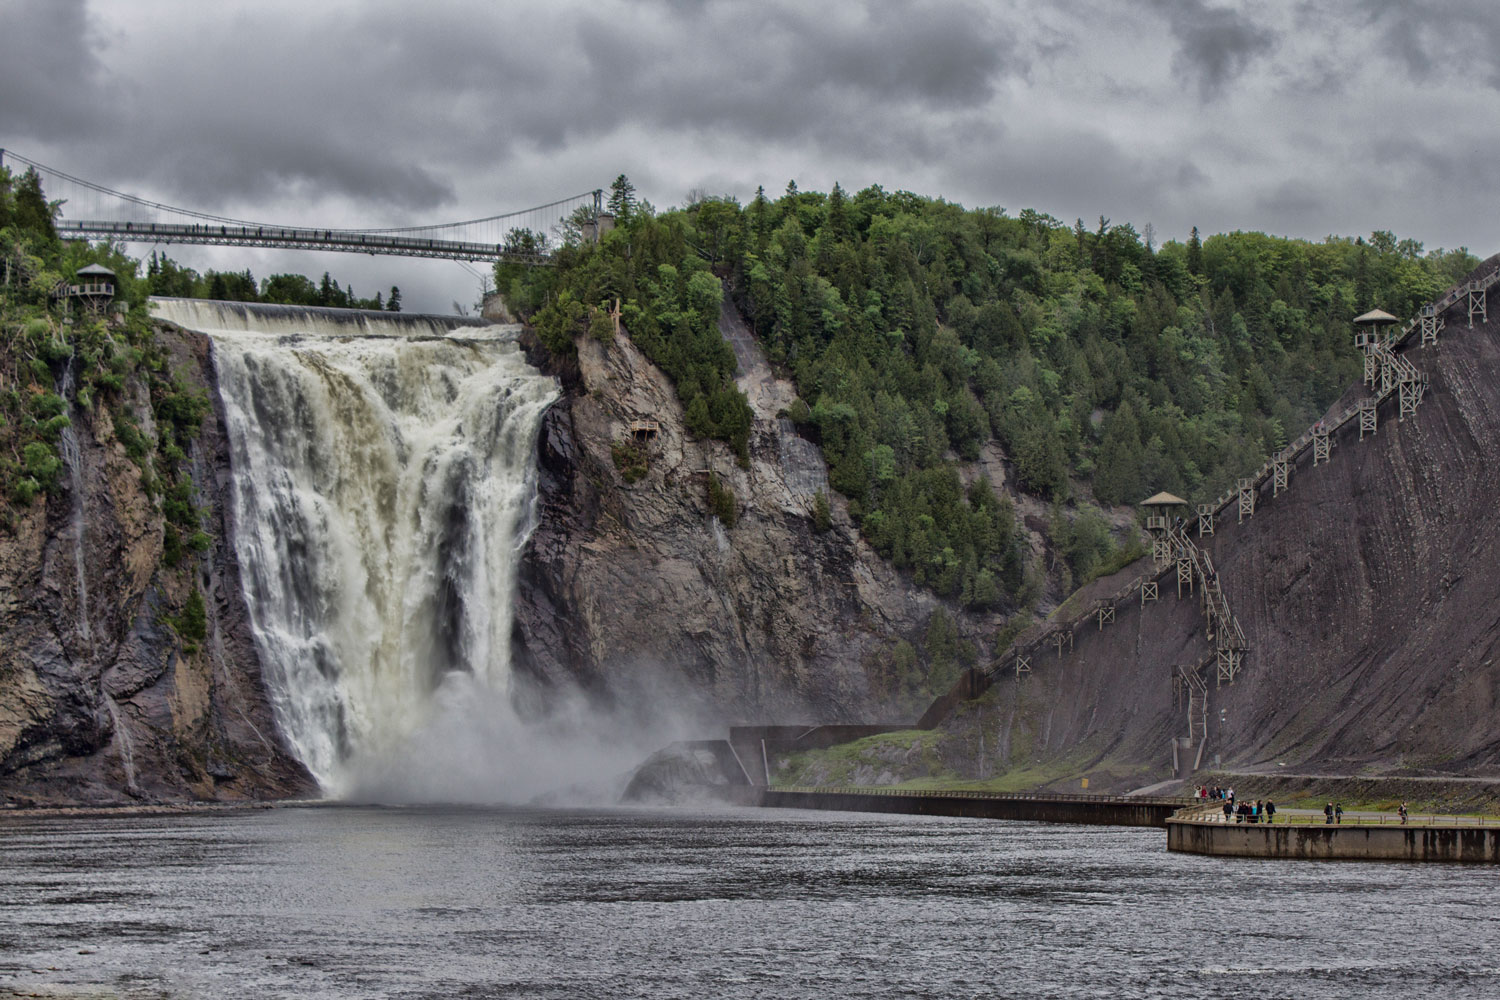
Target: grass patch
861 761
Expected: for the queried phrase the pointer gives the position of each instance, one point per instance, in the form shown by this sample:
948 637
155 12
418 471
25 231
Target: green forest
58 362
917 332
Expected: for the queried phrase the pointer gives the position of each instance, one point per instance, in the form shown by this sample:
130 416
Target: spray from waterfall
383 478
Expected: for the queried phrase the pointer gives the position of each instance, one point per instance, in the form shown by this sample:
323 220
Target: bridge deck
293 239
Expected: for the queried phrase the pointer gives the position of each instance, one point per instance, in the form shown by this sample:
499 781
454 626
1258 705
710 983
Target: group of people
1244 812
1265 812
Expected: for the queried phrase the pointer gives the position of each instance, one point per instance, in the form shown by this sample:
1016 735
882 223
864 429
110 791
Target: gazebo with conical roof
1158 508
1368 325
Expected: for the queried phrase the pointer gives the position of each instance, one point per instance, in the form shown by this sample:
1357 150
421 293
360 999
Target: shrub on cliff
721 502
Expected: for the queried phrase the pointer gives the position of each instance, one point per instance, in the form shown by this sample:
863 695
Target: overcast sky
1296 118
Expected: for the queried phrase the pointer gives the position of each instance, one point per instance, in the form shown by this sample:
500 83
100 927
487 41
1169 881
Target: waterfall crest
383 479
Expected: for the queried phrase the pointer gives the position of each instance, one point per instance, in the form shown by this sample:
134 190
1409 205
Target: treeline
165 276
919 332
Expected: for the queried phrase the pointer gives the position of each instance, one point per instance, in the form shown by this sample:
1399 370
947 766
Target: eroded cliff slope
1367 592
101 698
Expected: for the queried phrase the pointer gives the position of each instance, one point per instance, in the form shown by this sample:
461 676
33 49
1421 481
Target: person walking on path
1402 813
1270 811
1228 810
1338 813
1328 814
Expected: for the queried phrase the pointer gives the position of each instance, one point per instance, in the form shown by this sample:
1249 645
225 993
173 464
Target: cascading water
73 459
383 478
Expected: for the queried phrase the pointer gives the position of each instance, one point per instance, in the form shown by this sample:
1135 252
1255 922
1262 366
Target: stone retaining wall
1098 811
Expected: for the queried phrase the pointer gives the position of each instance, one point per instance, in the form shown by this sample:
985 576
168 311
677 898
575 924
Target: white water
383 477
73 459
126 744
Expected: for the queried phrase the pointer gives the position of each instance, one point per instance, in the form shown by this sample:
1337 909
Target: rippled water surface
354 902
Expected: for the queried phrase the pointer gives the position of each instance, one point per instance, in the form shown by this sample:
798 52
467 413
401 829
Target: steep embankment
1366 591
638 591
100 699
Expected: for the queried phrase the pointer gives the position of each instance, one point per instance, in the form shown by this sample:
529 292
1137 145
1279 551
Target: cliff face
639 593
100 700
1367 592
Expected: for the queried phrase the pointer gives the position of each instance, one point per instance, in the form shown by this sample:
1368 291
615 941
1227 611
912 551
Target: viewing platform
1368 838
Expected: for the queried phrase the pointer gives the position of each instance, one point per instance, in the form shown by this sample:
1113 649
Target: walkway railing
961 793
294 239
1318 819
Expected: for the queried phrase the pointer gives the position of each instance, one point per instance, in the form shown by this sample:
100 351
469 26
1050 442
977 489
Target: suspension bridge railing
293 239
94 211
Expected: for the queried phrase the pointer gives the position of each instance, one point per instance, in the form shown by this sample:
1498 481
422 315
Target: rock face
100 701
1367 592
647 599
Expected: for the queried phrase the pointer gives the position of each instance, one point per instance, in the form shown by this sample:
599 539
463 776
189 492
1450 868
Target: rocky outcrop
100 699
640 593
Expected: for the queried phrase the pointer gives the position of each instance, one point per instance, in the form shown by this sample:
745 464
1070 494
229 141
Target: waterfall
68 448
382 485
125 743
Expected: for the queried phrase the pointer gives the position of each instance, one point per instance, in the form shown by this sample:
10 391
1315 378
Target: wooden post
1431 325
1322 444
1368 416
1205 520
1477 305
1280 471
1247 499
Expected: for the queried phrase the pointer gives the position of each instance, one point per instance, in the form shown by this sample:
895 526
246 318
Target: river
422 902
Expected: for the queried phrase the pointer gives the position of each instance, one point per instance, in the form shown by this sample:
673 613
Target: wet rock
635 589
71 649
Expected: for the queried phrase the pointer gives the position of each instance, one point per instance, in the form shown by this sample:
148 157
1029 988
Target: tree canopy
921 333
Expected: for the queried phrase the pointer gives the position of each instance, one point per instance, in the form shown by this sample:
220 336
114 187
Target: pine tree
393 304
32 211
622 199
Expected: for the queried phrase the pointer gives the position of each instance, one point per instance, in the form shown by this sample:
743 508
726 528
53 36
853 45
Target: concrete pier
1345 842
1098 810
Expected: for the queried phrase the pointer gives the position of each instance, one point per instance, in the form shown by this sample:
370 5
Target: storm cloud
1215 44
1289 116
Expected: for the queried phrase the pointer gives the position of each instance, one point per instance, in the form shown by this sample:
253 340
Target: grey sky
1290 116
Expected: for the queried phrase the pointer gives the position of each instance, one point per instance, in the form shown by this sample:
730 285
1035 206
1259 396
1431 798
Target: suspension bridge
92 211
